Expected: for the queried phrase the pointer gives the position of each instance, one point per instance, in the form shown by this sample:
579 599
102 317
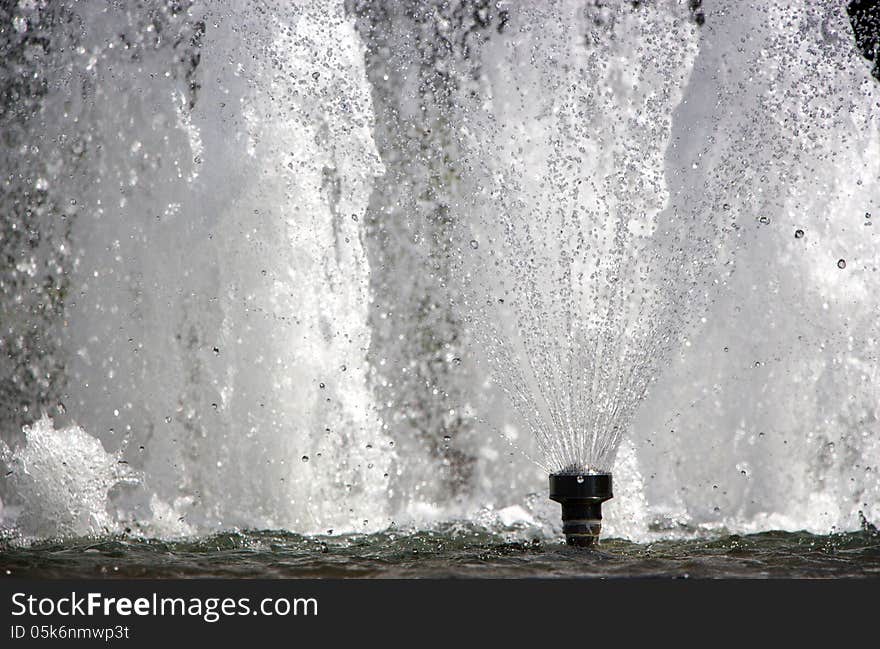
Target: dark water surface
452 552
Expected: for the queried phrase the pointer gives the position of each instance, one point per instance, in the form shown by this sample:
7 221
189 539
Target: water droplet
841 263
168 420
725 207
321 385
474 244
798 234
764 220
580 479
867 215
305 458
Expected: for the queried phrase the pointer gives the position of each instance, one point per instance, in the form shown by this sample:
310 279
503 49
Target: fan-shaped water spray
578 276
578 270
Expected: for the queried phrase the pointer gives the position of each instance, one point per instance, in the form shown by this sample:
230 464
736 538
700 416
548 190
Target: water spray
581 496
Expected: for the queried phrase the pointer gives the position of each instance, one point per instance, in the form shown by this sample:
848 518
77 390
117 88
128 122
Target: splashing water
243 234
61 479
215 276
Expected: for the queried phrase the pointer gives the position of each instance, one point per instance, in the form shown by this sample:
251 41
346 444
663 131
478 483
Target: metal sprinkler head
581 497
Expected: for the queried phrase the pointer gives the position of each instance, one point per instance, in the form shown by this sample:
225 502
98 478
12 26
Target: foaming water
62 479
347 266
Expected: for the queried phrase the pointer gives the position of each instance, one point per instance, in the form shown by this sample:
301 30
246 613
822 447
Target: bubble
841 263
305 458
474 244
580 479
798 234
764 220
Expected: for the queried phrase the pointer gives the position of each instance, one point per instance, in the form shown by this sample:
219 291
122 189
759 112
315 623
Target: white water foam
62 478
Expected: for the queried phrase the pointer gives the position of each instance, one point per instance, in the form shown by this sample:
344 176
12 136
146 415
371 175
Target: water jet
581 496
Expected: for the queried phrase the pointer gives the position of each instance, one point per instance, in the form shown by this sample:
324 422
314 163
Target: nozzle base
581 523
582 540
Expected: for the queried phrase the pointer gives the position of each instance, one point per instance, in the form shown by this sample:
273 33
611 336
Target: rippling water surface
451 551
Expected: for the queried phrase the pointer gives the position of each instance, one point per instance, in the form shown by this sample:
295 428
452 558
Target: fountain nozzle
581 497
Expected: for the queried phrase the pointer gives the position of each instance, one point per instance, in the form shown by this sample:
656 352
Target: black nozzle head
581 497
